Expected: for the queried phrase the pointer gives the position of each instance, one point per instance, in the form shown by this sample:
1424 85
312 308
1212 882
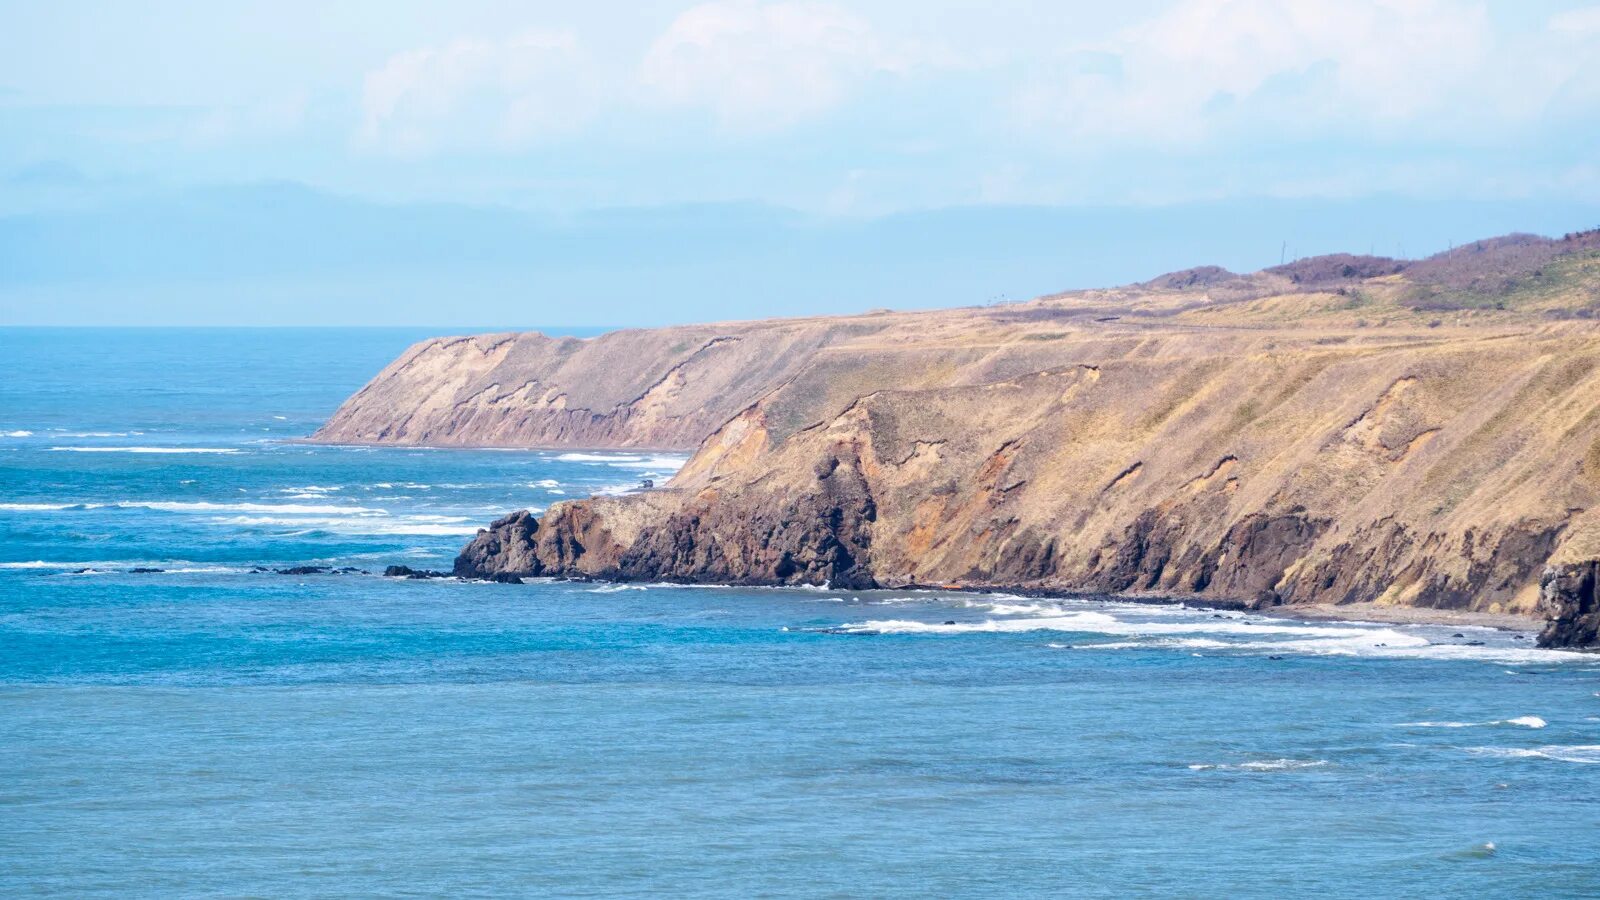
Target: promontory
1352 432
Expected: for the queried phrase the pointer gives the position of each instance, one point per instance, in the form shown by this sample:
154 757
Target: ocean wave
615 588
627 460
201 506
312 489
1523 721
94 434
366 525
287 509
49 564
38 507
1262 765
1140 628
146 449
1585 754
16 434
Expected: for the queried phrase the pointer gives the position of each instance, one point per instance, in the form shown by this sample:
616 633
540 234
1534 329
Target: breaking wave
1523 721
1262 765
1139 627
1586 754
146 449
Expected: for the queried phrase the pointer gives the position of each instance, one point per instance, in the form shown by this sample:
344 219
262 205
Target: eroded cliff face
664 388
1248 439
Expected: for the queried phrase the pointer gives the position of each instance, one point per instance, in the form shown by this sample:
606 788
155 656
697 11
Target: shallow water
212 730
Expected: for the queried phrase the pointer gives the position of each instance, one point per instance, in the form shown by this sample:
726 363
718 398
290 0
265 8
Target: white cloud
763 67
1314 65
474 93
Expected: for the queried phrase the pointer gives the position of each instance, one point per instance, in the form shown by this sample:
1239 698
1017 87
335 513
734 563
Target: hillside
1341 430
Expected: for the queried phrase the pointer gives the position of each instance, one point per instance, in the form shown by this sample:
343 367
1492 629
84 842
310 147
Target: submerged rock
321 570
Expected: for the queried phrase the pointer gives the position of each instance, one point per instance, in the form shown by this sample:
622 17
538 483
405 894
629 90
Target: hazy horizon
670 161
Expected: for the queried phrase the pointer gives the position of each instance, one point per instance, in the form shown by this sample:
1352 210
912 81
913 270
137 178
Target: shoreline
1311 612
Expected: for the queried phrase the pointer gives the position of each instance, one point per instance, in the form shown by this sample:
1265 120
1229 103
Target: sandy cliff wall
662 388
1314 435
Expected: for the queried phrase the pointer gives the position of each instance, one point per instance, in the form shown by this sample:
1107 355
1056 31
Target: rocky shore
1341 433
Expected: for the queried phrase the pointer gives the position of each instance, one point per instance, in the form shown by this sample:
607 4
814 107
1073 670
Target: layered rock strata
1314 435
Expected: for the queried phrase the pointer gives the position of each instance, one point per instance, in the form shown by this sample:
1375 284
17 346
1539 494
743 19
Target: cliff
1343 430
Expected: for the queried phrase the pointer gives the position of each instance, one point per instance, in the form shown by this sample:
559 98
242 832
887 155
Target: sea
177 718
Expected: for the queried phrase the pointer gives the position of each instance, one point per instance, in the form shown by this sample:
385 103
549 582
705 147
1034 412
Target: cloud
763 67
1309 66
475 94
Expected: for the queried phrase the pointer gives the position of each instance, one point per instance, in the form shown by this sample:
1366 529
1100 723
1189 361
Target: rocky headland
1343 431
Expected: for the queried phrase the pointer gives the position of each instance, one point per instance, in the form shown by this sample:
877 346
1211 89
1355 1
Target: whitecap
1523 721
370 525
1586 754
627 460
277 508
615 588
147 449
39 507
17 434
1263 765
47 564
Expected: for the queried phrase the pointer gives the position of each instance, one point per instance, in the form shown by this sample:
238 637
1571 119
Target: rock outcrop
1264 440
1567 598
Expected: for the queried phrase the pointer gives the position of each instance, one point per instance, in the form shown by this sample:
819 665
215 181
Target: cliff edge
1341 430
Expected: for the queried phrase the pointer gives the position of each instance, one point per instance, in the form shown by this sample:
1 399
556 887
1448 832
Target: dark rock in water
1458 634
320 570
259 570
1516 637
1274 657
408 572
506 546
949 621
1567 598
1474 643
81 571
505 578
144 570
820 537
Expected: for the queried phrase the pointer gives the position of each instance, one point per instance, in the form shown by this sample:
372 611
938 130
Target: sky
525 163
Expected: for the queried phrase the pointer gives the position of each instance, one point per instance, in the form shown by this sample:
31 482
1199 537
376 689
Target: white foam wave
147 449
1586 754
615 588
203 506
17 434
48 564
544 483
1145 628
1263 765
312 489
367 525
627 460
1523 721
287 509
36 507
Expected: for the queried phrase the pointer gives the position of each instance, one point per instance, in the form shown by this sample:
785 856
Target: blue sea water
211 729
